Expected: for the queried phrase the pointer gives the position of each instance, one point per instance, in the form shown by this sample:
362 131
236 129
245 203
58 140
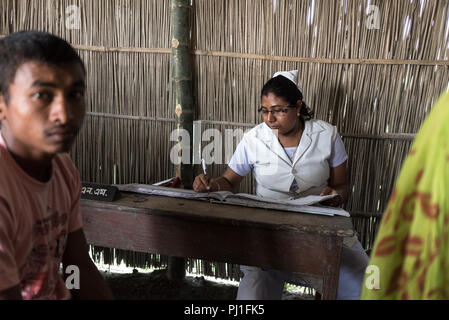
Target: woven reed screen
375 85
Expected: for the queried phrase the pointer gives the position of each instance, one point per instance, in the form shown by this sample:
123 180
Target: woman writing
290 154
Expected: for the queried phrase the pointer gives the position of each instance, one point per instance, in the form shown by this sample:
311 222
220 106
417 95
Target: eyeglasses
276 113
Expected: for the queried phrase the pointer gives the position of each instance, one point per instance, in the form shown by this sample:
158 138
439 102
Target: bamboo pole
182 101
182 78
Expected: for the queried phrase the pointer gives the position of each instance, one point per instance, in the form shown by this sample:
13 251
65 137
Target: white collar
271 141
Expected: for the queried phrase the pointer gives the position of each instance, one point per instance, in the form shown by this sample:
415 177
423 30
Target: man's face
45 110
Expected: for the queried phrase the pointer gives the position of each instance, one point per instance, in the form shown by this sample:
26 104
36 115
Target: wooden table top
227 214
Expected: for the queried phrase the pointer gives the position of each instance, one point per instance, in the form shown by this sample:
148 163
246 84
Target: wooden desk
303 243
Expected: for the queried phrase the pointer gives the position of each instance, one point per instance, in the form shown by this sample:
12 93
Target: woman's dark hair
21 47
284 88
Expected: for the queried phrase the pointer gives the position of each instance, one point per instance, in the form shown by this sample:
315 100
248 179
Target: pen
204 166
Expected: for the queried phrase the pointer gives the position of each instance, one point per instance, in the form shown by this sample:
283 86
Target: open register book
307 204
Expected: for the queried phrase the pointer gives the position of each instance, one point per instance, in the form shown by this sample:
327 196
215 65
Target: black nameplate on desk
99 192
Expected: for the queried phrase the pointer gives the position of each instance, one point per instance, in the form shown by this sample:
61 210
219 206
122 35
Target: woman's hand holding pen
204 183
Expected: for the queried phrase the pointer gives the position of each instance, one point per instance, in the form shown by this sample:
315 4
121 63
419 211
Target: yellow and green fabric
411 250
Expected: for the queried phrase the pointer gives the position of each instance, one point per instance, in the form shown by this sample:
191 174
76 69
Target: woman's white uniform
280 177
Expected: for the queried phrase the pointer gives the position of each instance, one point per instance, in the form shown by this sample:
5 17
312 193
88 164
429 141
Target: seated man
42 107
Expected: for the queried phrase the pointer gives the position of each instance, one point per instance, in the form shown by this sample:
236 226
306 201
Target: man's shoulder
5 166
64 160
64 166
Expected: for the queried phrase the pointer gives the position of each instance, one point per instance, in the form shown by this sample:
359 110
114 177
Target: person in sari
410 258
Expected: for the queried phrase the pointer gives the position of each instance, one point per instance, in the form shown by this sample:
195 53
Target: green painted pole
183 102
182 71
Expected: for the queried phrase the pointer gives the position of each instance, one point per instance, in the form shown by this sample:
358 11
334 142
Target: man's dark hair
284 88
25 46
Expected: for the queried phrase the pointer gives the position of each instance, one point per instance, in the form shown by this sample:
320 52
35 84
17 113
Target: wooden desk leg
176 269
330 279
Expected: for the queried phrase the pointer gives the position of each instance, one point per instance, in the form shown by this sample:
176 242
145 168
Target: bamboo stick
267 57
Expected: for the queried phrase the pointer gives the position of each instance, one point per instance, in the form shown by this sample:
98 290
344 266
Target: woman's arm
337 184
228 181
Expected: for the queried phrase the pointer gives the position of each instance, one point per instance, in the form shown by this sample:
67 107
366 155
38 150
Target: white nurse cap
291 75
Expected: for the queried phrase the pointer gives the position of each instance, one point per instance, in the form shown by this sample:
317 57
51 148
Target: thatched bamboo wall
375 85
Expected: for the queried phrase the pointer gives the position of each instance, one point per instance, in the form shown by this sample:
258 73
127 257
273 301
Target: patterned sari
410 258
